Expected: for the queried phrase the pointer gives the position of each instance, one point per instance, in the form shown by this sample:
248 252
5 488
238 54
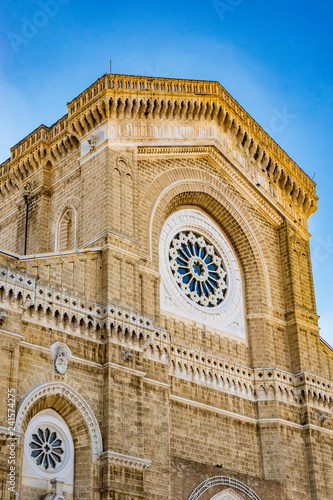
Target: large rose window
198 268
200 276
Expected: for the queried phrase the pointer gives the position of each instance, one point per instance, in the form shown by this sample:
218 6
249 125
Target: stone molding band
112 457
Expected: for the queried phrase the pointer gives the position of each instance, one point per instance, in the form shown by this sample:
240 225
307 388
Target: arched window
48 454
201 278
66 234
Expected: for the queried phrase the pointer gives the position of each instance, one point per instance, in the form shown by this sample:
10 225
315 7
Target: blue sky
273 57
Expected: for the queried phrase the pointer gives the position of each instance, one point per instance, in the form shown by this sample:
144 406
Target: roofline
165 79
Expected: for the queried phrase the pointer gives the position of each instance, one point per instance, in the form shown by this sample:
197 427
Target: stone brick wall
166 401
186 475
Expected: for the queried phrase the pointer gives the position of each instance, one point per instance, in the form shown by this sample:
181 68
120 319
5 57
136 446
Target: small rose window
47 448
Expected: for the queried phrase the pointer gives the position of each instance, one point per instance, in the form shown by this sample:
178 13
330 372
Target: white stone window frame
66 470
229 316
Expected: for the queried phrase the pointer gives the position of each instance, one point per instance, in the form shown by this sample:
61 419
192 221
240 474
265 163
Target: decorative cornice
212 152
46 306
112 457
73 315
260 384
122 97
18 279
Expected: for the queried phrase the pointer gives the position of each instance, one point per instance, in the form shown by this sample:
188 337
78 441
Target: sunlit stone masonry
158 326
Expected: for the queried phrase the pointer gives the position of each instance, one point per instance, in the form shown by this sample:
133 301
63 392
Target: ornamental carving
54 496
27 187
57 492
298 245
92 141
127 355
321 417
60 359
122 165
50 496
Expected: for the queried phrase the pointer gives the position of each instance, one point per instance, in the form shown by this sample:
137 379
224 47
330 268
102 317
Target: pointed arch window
66 234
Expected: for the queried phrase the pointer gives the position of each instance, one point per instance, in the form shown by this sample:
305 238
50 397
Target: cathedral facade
158 327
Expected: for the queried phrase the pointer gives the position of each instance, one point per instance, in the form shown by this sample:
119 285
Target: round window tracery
200 275
47 448
198 268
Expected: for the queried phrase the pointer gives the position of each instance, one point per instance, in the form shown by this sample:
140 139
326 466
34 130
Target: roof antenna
110 68
313 176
